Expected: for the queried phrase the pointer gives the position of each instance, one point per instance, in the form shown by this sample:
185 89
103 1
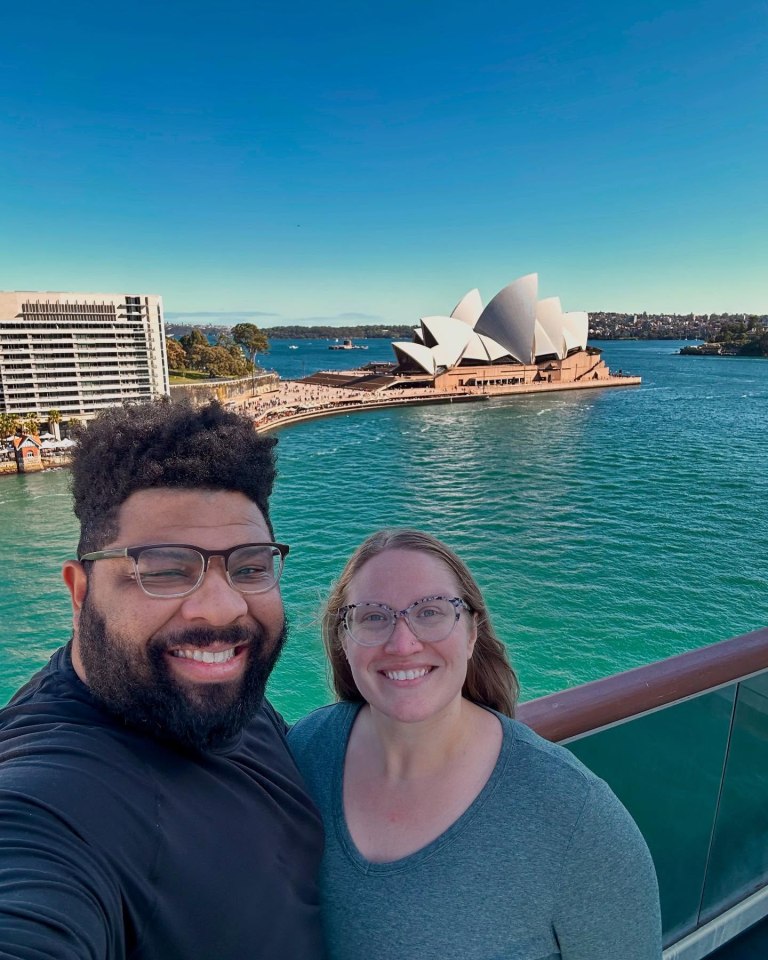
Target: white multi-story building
79 352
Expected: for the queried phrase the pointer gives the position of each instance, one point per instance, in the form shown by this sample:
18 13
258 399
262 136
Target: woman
453 831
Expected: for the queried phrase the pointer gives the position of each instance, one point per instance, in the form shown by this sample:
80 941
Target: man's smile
210 663
206 656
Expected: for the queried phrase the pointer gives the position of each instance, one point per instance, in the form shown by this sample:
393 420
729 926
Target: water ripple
607 529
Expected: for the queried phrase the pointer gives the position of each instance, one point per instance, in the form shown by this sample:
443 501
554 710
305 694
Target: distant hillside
658 326
735 339
210 330
297 332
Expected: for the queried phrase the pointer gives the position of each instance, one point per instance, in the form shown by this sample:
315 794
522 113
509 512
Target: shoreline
295 402
60 462
330 406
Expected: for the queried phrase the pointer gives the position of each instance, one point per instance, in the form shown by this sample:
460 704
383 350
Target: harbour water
608 528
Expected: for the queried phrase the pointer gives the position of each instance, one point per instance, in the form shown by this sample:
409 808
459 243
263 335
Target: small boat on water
347 345
293 346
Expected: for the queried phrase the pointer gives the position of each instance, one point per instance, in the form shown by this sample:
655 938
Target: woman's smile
405 678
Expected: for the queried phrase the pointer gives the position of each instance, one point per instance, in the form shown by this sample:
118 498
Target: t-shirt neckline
434 846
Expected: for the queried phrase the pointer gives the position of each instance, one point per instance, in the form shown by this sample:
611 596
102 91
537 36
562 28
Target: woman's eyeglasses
430 619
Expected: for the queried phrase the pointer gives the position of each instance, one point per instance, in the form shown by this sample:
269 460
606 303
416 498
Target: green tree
177 358
193 351
54 419
194 343
74 427
30 423
239 365
252 340
220 362
731 330
8 425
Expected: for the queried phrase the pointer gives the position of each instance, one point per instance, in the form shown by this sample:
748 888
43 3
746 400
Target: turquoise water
608 528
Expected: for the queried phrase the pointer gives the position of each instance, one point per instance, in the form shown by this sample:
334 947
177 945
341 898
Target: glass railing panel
752 945
739 859
666 768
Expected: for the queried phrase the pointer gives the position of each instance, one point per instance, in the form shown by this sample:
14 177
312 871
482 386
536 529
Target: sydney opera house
516 343
515 339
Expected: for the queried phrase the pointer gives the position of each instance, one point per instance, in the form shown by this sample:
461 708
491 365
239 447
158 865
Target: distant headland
300 332
735 338
603 325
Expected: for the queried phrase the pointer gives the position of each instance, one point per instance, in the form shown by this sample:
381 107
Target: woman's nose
403 639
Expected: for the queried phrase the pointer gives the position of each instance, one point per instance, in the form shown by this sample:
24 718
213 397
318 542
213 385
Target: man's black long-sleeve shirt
114 845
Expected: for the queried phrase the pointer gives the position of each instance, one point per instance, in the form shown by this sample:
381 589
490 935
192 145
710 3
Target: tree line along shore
603 325
734 339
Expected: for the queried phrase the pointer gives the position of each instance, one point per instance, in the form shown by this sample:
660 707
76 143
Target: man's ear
73 574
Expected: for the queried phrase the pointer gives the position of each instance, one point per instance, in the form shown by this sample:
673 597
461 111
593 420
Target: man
148 805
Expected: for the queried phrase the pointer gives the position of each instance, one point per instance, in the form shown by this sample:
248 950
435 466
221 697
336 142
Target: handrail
602 703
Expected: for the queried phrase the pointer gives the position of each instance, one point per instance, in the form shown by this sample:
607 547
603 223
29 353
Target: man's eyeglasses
177 569
430 620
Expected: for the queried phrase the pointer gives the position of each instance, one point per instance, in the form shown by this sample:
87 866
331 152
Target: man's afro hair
165 444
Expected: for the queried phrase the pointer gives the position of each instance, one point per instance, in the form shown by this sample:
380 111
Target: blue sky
338 162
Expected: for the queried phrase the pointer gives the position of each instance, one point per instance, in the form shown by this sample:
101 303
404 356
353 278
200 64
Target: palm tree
8 424
54 419
74 428
31 423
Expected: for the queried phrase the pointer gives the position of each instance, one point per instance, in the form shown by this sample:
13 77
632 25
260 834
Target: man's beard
137 685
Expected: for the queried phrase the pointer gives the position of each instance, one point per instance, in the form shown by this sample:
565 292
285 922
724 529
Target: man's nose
216 601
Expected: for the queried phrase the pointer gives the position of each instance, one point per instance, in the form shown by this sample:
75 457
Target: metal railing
684 744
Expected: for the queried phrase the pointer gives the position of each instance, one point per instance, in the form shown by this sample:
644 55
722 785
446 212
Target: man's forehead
170 514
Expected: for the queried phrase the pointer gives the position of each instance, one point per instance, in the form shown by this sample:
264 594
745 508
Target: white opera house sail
517 343
514 329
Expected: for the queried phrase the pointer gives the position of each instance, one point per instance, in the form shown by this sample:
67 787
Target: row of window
75 350
52 307
78 390
41 341
109 366
70 357
76 306
12 327
71 383
19 403
49 381
58 334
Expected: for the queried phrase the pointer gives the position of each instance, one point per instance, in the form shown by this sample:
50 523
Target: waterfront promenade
50 461
294 400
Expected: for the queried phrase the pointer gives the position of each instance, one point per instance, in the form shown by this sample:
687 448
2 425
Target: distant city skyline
336 164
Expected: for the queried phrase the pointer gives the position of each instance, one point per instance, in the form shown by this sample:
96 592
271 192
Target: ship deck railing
684 744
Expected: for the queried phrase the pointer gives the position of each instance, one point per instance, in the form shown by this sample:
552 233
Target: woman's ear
472 637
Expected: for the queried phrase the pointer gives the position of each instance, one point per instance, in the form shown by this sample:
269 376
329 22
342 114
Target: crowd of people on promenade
293 398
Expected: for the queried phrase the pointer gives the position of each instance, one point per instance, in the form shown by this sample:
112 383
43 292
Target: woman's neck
395 750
